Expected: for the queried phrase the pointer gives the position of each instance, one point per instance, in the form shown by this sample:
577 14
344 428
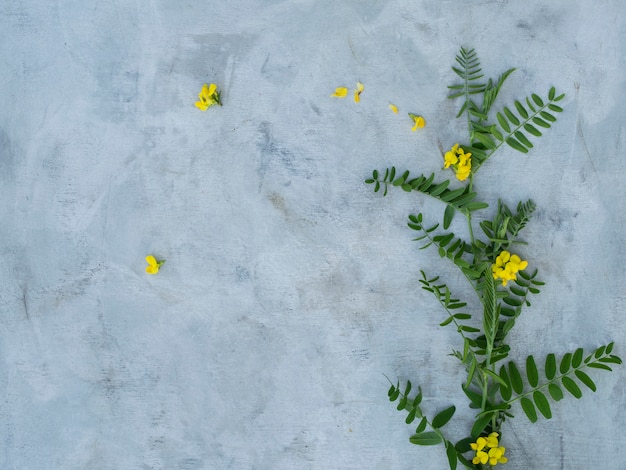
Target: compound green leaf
451 453
541 122
537 100
532 130
448 215
480 424
531 371
542 404
516 378
571 387
584 378
577 358
411 416
503 123
522 138
521 110
429 438
529 409
421 426
555 392
566 362
442 418
516 145
550 366
511 117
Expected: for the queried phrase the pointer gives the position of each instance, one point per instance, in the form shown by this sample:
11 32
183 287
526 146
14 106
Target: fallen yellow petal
151 260
394 108
340 92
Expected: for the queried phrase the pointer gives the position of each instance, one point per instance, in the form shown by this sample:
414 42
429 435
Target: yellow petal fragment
212 89
151 260
394 108
340 92
359 87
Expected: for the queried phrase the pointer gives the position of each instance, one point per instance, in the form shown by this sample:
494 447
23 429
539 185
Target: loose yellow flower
394 108
357 92
340 92
208 96
419 121
506 267
153 265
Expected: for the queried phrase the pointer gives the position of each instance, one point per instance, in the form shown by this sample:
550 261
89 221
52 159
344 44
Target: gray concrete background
289 288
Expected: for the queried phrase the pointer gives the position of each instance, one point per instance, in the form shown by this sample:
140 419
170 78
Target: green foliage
570 367
461 199
493 385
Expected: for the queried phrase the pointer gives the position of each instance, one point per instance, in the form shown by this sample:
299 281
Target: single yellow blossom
419 121
340 92
208 96
496 456
492 439
153 265
481 457
357 92
462 172
479 445
506 267
394 108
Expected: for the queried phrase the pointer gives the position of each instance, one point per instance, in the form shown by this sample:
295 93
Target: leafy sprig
492 386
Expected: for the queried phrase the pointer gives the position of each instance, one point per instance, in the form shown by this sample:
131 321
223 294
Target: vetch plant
495 386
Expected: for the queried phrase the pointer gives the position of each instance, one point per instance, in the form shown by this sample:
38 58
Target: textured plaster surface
290 288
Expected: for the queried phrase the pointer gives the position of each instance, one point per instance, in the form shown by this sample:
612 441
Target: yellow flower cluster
507 266
488 450
460 162
209 95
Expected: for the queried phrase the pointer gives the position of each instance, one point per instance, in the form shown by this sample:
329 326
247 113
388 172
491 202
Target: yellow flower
492 439
357 92
488 450
460 162
394 108
481 457
506 267
496 456
451 156
153 264
208 96
479 445
419 121
340 92
462 172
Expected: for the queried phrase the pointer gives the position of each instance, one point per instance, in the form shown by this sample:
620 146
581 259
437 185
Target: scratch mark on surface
579 129
25 302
